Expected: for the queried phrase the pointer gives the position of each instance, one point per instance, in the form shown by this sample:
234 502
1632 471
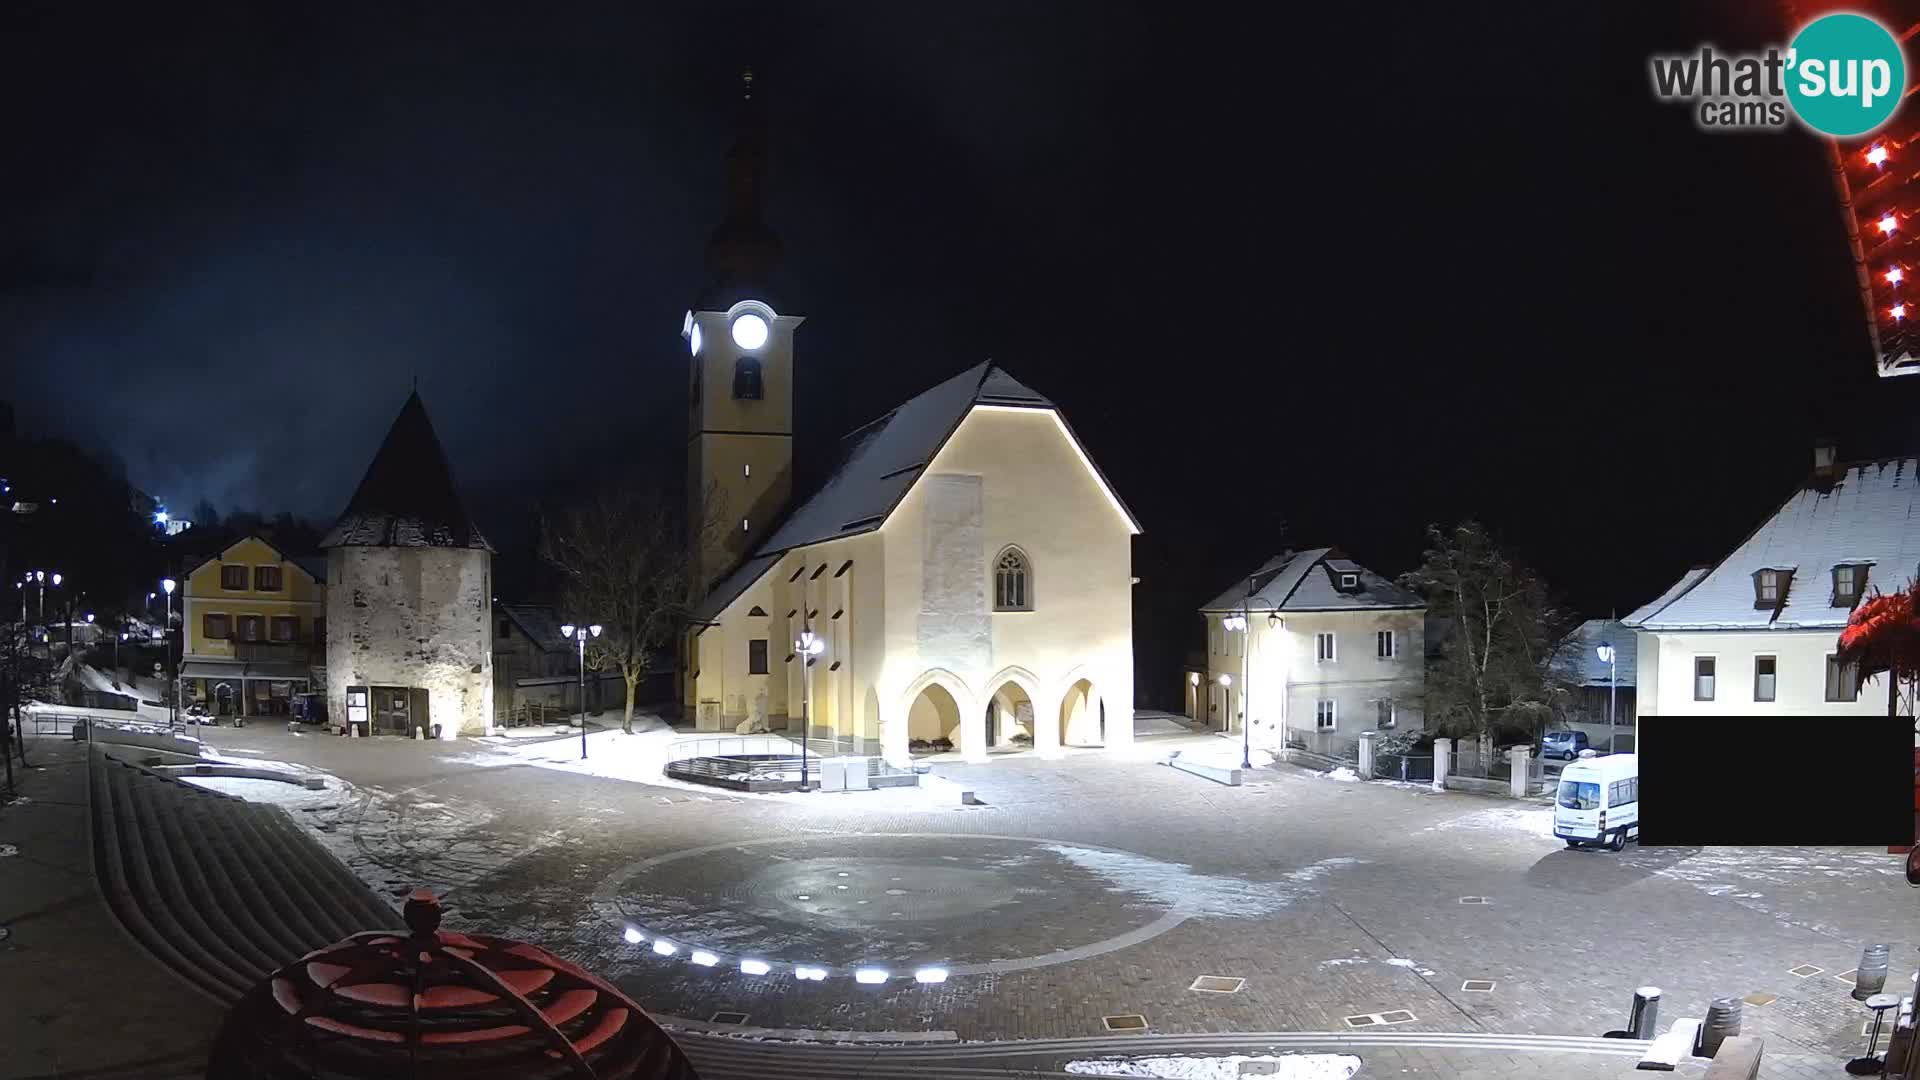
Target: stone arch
1081 712
1008 714
870 722
939 697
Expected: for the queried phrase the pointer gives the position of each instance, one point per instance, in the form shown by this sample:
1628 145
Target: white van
1599 801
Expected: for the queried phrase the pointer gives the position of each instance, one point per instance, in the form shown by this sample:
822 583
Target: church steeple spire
743 249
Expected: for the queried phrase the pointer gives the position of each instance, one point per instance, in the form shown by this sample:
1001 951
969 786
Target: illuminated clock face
750 331
693 339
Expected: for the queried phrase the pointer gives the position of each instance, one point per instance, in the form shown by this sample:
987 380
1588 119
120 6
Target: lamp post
167 585
809 646
580 634
116 653
1611 659
1239 623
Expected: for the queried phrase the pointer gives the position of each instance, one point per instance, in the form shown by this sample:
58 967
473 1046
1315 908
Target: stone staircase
220 890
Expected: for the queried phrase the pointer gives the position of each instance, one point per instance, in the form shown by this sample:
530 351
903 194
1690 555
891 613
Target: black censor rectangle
1776 781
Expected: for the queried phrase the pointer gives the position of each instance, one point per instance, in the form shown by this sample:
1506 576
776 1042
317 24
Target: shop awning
235 669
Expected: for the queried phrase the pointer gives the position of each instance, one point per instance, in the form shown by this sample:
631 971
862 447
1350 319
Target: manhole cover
1363 1020
1847 975
1805 971
1473 899
1397 1016
1129 1022
1760 999
1217 984
729 1018
1477 986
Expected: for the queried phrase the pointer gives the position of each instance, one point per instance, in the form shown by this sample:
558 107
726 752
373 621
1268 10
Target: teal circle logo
1845 75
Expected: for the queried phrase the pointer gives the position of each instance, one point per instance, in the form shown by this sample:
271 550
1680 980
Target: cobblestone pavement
1331 900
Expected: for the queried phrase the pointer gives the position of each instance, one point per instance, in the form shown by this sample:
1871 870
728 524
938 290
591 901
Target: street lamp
580 634
809 646
1611 659
167 585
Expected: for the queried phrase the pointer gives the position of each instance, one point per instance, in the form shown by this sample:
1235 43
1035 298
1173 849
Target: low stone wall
1480 787
1227 776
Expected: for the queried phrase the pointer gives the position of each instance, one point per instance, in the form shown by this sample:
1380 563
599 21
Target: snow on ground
1224 757
1537 821
642 758
1178 886
1395 961
1283 1067
1344 774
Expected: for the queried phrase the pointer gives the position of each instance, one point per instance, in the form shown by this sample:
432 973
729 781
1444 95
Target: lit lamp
167 585
808 647
1610 658
580 634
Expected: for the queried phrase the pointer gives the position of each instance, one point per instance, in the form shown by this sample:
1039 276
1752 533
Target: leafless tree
624 557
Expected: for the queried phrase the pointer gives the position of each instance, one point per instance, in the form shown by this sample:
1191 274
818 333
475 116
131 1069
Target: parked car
1563 744
196 713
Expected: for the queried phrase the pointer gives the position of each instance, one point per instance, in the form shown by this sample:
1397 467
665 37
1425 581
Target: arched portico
1009 689
952 706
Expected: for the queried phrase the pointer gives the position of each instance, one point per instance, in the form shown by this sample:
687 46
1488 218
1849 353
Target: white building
1755 633
1329 649
965 566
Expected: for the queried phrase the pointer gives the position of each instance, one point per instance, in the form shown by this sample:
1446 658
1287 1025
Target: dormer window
1349 581
1770 587
1849 581
746 379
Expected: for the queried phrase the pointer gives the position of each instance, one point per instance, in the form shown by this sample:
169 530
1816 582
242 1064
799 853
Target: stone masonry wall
421 617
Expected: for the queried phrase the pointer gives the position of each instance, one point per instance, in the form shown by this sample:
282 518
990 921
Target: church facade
965 570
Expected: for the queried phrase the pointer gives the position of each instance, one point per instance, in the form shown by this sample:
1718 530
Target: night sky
1301 279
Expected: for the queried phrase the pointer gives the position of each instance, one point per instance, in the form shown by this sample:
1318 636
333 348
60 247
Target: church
962 579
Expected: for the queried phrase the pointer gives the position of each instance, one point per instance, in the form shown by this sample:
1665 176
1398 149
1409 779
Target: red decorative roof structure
440 1004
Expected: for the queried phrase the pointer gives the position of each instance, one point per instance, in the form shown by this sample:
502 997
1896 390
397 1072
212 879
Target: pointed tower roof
743 254
408 497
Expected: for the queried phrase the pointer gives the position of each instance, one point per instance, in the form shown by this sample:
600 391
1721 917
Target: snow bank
1283 1067
1344 774
1536 821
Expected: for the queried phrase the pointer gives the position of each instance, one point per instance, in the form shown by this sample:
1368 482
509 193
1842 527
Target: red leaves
1884 633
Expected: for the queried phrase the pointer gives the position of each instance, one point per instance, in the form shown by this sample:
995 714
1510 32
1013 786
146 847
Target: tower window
746 470
746 379
1012 581
743 524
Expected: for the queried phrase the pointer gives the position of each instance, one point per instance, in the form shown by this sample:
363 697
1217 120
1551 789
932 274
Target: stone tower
740 419
409 597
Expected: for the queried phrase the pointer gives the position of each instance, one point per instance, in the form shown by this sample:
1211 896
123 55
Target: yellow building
255 624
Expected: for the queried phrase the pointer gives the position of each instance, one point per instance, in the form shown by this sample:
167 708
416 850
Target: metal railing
1410 767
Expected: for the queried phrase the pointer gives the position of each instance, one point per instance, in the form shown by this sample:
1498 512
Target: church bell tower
740 391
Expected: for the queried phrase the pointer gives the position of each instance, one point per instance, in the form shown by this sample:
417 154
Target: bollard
1642 1021
1871 976
1721 1024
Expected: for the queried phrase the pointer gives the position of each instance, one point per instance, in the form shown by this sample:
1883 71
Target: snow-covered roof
1304 581
1578 660
1687 581
878 464
408 497
1869 515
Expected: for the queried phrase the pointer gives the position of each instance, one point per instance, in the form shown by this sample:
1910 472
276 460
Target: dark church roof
408 497
877 465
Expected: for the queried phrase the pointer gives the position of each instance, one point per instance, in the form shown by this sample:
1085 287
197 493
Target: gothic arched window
746 379
1012 581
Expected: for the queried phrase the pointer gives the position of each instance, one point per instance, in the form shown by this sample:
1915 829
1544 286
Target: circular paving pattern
966 903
